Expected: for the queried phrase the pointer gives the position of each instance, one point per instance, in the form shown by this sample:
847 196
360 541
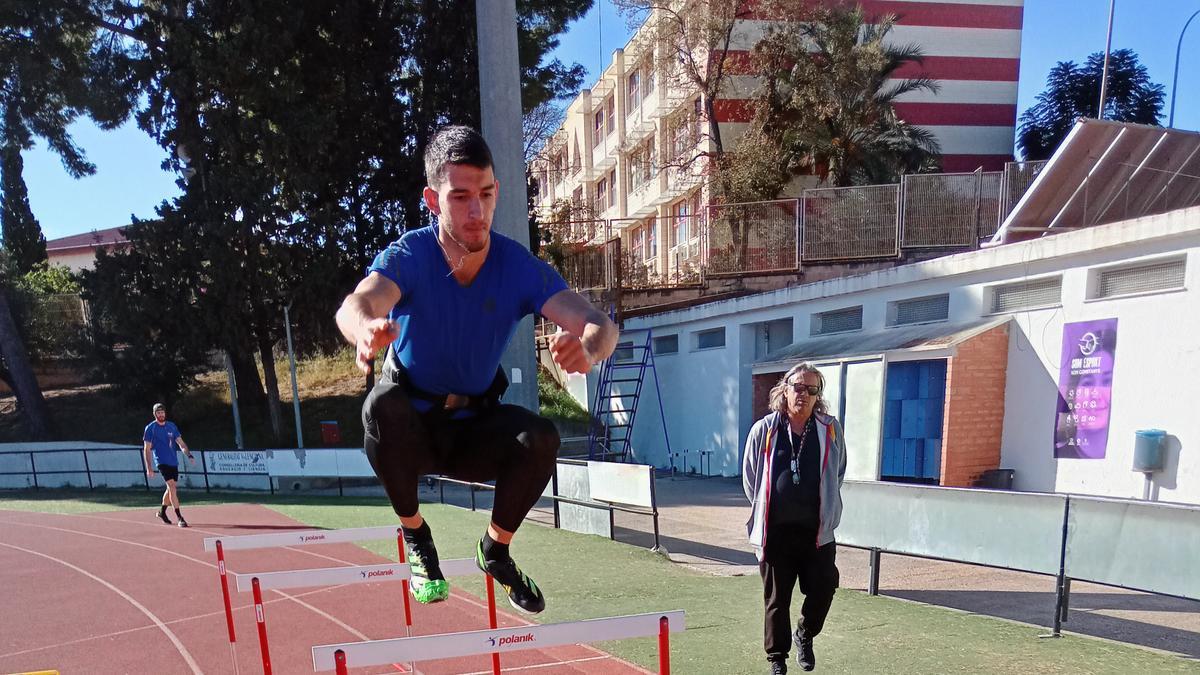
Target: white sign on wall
236 462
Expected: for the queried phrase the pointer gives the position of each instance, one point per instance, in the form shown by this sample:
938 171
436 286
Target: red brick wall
974 409
762 391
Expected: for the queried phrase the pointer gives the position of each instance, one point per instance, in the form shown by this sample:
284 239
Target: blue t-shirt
161 438
451 337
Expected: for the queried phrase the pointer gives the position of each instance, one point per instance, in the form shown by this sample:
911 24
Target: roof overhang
1104 172
900 343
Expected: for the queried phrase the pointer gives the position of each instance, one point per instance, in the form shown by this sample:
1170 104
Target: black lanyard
797 448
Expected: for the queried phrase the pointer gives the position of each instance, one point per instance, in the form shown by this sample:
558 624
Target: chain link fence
685 249
851 223
1018 177
753 237
923 211
950 210
592 231
593 266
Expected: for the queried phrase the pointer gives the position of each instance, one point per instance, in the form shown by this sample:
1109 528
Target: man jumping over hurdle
447 299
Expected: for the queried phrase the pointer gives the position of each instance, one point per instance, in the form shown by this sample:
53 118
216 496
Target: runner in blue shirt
162 438
447 299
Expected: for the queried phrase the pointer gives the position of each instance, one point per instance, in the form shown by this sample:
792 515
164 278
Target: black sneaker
182 522
804 651
523 594
779 667
162 515
428 584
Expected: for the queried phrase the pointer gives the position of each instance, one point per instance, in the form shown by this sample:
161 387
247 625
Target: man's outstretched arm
587 336
362 318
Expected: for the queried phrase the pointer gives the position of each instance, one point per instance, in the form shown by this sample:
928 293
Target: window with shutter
837 321
921 310
1160 275
1024 295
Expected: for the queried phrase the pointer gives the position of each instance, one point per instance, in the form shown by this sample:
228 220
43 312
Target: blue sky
129 179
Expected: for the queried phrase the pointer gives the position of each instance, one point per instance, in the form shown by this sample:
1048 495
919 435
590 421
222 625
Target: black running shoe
804 651
427 584
523 594
162 515
182 522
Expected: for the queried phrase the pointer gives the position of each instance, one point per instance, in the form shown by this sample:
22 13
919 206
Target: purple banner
1085 389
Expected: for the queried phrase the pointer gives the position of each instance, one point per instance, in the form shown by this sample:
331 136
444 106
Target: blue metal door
912 421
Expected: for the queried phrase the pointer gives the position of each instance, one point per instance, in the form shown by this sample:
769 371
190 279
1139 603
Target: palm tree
829 94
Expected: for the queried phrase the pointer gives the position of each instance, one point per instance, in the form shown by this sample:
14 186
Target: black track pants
792 558
505 443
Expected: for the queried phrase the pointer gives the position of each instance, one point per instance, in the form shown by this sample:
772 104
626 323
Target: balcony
605 154
642 201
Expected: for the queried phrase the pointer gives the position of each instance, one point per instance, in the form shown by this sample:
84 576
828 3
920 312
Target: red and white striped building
617 134
972 48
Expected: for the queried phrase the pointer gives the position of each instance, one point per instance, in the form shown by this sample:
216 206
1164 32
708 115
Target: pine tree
1073 91
23 238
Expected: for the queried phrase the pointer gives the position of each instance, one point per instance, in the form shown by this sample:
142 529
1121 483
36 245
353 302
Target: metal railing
852 223
557 499
753 237
1137 545
823 225
110 468
77 467
949 210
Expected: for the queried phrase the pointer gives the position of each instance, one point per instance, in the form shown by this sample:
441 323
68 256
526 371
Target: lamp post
1112 5
1175 78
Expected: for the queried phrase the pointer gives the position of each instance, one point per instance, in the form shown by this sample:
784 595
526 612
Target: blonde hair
778 398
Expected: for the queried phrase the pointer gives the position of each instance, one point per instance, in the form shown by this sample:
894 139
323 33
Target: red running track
121 592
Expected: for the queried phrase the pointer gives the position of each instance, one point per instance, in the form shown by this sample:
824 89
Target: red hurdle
228 607
261 619
491 588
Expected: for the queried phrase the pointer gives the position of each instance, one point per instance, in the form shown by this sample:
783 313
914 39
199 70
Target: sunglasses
810 389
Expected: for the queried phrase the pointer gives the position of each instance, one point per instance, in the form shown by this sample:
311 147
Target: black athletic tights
505 443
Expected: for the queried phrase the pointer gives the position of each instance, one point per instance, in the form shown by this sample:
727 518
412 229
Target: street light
1112 5
1175 78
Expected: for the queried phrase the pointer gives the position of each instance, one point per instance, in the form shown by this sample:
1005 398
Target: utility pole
500 111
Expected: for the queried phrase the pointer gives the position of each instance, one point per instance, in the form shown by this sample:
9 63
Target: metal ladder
610 438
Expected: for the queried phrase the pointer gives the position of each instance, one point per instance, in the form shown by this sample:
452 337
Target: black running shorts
169 471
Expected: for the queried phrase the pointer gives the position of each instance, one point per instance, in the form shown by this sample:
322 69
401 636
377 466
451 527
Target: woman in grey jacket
792 473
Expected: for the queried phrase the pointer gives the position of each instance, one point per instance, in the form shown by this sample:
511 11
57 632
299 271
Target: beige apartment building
624 157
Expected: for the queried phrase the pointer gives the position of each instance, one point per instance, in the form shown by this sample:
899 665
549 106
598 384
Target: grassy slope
585 576
331 388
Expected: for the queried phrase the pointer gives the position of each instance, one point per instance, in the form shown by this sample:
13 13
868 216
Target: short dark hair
455 145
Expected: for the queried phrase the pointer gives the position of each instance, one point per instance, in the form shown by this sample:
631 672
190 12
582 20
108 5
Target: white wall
1158 356
74 260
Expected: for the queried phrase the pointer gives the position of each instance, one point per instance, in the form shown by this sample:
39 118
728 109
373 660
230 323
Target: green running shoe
427 584
523 594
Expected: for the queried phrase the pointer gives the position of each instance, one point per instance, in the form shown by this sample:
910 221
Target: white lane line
300 527
105 636
140 607
463 596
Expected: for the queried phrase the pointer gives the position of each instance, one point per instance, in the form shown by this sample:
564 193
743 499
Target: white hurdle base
353 574
471 643
301 538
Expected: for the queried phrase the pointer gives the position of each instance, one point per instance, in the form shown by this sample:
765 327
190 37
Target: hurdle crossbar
351 574
301 538
470 643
